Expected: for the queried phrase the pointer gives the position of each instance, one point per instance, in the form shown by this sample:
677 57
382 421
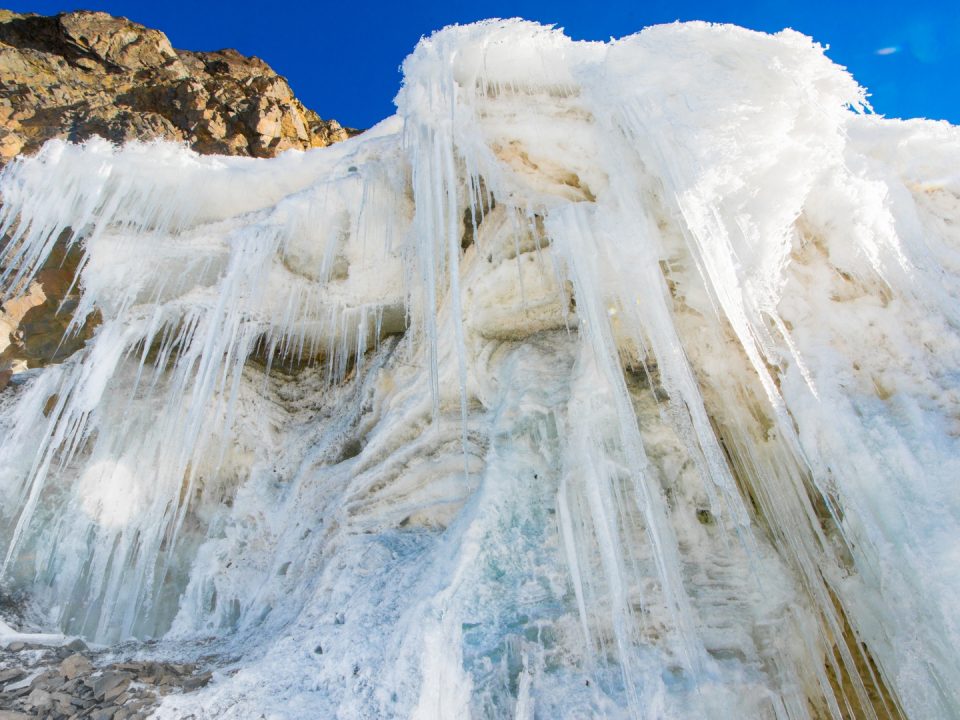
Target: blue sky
342 58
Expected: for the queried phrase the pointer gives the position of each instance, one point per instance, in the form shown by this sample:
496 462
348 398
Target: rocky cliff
87 73
80 74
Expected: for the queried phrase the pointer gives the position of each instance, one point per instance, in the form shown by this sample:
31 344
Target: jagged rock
15 309
77 645
11 675
75 665
39 699
118 692
46 680
105 713
106 686
35 323
17 692
84 73
128 45
197 681
12 715
10 144
125 713
62 702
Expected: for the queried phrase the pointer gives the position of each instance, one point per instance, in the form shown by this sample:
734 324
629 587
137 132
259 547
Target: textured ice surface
603 380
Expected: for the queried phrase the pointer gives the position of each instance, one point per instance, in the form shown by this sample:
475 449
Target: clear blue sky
342 58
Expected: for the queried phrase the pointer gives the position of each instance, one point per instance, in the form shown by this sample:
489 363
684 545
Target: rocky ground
58 679
73 681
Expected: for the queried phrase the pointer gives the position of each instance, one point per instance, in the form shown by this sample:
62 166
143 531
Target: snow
605 379
9 636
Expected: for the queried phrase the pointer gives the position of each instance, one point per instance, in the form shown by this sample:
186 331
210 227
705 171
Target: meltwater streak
607 380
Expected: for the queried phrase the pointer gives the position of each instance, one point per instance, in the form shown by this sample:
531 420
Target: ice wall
607 380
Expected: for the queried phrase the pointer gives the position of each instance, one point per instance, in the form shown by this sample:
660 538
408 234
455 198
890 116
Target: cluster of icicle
603 380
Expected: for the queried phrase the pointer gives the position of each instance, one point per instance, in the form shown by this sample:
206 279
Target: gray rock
109 685
104 713
39 699
47 680
81 703
76 646
132 710
17 692
196 682
10 675
62 703
118 691
75 665
132 667
74 686
12 715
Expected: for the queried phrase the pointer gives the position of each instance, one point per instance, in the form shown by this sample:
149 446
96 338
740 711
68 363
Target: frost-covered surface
8 636
603 380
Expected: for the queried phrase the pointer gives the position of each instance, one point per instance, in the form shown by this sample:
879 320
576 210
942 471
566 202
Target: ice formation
603 380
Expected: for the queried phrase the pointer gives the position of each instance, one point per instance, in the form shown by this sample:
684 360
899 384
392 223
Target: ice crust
603 380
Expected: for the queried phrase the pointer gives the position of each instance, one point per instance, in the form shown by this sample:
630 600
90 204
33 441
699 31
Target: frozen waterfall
603 380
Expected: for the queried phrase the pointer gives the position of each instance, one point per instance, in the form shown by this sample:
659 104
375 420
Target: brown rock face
85 73
79 74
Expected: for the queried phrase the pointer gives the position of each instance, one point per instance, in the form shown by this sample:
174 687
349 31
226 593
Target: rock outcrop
88 73
80 74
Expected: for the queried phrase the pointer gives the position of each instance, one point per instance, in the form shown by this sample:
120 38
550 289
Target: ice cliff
603 380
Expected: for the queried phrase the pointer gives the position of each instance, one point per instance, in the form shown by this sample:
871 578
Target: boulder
11 675
109 684
116 41
39 699
75 665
